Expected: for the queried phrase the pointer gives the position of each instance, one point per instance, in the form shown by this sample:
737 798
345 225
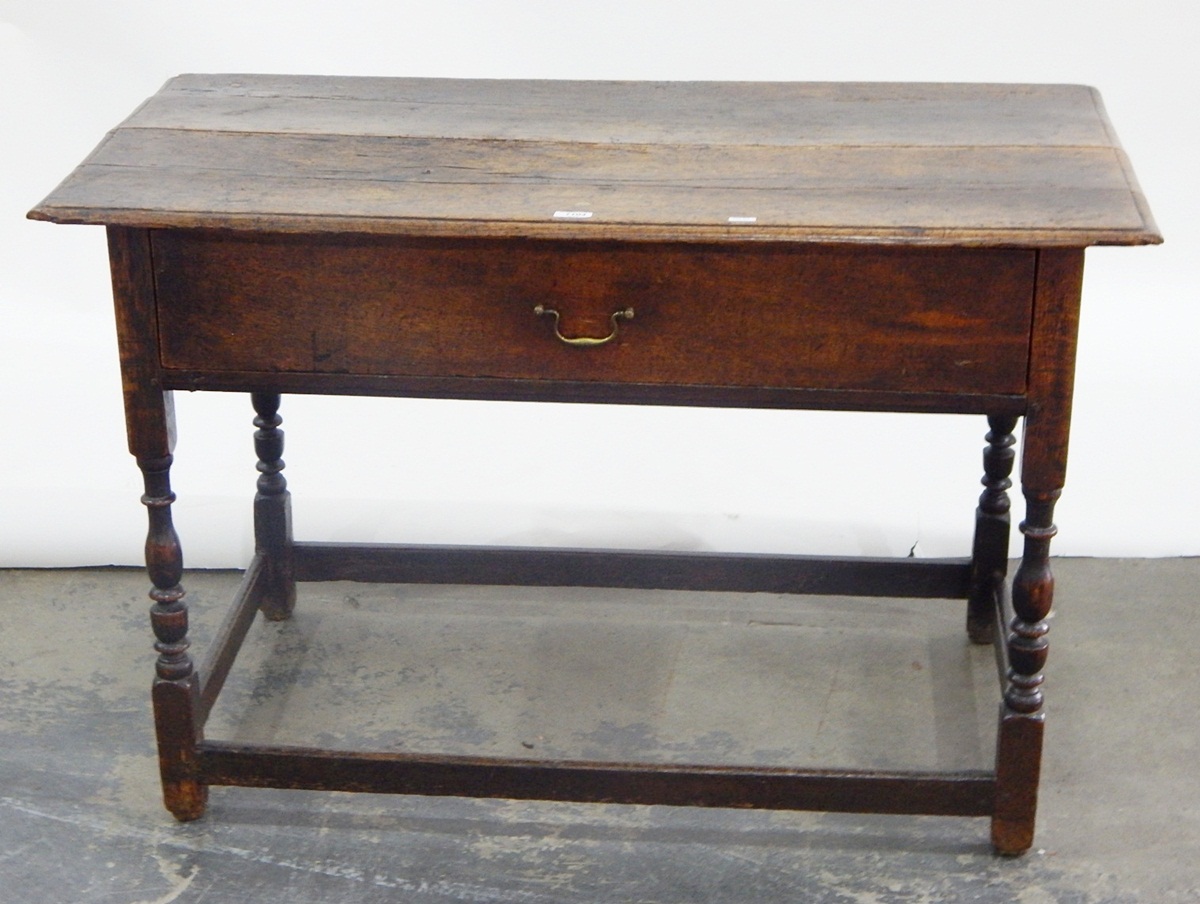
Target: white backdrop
402 470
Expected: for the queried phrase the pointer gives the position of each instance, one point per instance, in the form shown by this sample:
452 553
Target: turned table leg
1043 473
1022 720
273 510
150 428
176 689
989 556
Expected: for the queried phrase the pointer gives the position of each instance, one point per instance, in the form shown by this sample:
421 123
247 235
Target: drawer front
747 315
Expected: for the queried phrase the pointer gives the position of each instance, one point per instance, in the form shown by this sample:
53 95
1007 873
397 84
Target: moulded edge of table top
242 153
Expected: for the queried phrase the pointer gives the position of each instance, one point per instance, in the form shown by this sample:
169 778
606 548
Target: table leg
1045 438
176 689
273 510
1022 719
989 557
150 428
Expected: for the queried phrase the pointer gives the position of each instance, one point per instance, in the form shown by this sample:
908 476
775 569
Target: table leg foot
175 706
273 510
1018 769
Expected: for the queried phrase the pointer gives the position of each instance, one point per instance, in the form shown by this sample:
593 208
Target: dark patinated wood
176 688
1051 369
829 317
1033 594
1043 473
846 791
223 650
1002 616
149 406
989 556
150 426
1018 748
842 246
273 510
548 567
605 393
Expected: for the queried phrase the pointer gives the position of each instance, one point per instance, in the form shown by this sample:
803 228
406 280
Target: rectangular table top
890 163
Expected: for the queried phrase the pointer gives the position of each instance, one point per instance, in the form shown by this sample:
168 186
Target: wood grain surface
1031 165
824 317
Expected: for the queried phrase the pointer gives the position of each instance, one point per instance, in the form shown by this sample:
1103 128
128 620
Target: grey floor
597 674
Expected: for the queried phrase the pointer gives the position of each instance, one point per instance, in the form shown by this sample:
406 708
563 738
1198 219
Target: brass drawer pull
585 341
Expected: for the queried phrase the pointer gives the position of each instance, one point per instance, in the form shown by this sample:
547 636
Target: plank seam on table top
588 105
368 174
542 146
1126 166
501 177
632 145
1102 116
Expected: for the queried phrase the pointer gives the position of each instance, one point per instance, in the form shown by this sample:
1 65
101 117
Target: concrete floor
671 676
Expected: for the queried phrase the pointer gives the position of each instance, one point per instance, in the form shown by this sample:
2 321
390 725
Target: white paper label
736 220
572 214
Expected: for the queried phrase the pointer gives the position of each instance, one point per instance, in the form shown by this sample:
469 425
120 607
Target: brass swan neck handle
585 341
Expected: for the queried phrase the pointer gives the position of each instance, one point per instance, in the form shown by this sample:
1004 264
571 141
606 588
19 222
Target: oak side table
889 247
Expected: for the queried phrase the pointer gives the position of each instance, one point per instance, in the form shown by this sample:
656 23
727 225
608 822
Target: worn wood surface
176 687
823 317
222 650
554 567
272 510
582 391
989 550
968 793
1052 352
149 407
396 236
880 163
